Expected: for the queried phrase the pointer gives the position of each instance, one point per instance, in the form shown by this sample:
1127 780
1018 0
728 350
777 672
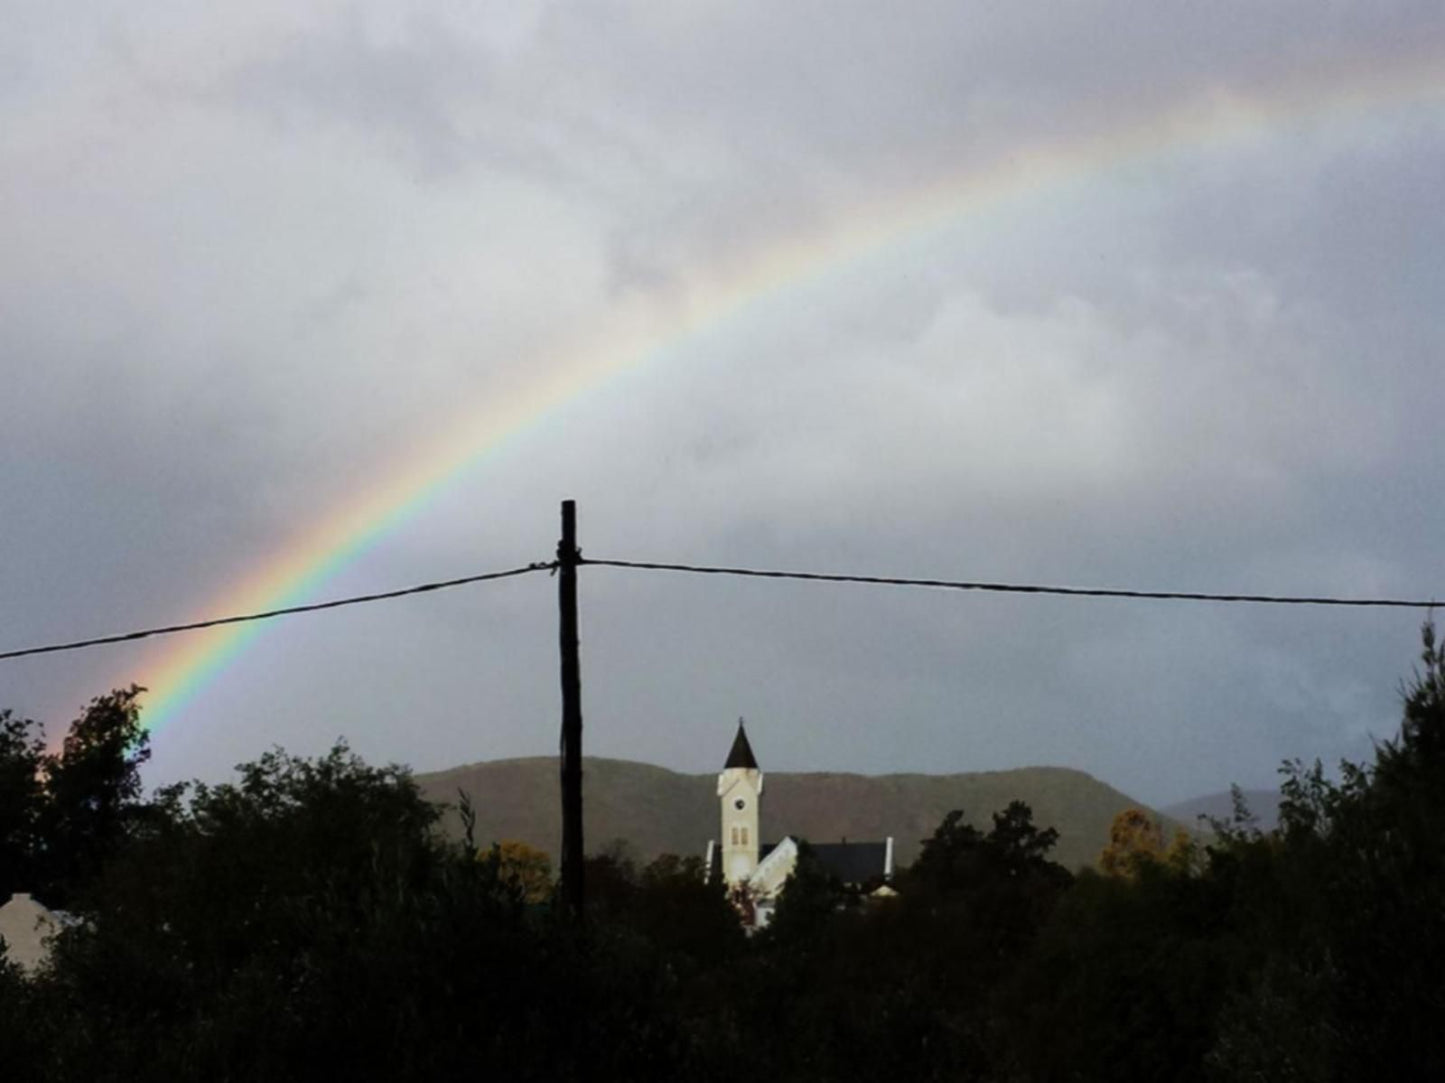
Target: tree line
309 917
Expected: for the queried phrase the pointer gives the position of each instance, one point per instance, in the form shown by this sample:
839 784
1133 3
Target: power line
752 573
312 607
1018 588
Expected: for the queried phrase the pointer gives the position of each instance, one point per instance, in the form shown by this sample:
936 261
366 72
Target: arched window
745 836
735 836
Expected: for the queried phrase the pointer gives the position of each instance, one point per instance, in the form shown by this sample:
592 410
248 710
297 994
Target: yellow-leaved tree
1134 837
524 867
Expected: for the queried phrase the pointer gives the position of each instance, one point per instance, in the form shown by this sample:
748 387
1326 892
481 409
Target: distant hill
1263 805
659 811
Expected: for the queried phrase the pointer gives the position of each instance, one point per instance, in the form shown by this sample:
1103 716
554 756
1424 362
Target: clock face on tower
740 804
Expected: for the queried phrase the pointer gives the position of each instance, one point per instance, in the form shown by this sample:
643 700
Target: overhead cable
1017 588
335 603
752 573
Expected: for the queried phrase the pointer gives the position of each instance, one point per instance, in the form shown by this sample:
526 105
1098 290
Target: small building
26 927
759 870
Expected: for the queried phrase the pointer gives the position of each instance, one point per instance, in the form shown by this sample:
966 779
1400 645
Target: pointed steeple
742 752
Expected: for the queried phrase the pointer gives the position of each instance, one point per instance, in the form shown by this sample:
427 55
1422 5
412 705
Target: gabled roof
850 862
742 752
853 862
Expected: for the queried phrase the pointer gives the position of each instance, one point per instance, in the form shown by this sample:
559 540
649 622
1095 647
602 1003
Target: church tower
739 788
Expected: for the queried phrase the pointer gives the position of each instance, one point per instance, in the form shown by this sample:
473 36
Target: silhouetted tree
809 901
63 814
304 920
684 913
22 752
1350 986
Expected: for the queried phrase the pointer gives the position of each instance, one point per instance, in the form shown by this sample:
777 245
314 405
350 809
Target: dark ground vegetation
308 921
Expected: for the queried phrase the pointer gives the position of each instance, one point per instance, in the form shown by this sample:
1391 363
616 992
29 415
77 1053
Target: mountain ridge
1262 805
655 810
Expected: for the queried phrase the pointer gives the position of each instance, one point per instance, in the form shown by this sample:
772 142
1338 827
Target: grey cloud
253 260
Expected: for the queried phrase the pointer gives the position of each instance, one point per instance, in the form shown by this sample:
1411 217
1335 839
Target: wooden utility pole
568 557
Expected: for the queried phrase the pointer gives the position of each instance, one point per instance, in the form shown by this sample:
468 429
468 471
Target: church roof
849 862
742 752
853 862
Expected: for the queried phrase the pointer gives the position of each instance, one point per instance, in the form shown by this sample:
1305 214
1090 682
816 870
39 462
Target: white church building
759 870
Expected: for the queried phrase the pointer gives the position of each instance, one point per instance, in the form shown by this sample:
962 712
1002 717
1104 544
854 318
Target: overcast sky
253 257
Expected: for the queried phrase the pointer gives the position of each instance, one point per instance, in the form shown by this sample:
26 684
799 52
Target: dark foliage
1313 952
299 922
22 752
307 920
62 815
1352 941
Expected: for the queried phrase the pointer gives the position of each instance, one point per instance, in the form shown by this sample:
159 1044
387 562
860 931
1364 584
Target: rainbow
182 667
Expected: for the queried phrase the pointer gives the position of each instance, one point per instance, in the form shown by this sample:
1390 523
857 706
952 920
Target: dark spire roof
742 752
